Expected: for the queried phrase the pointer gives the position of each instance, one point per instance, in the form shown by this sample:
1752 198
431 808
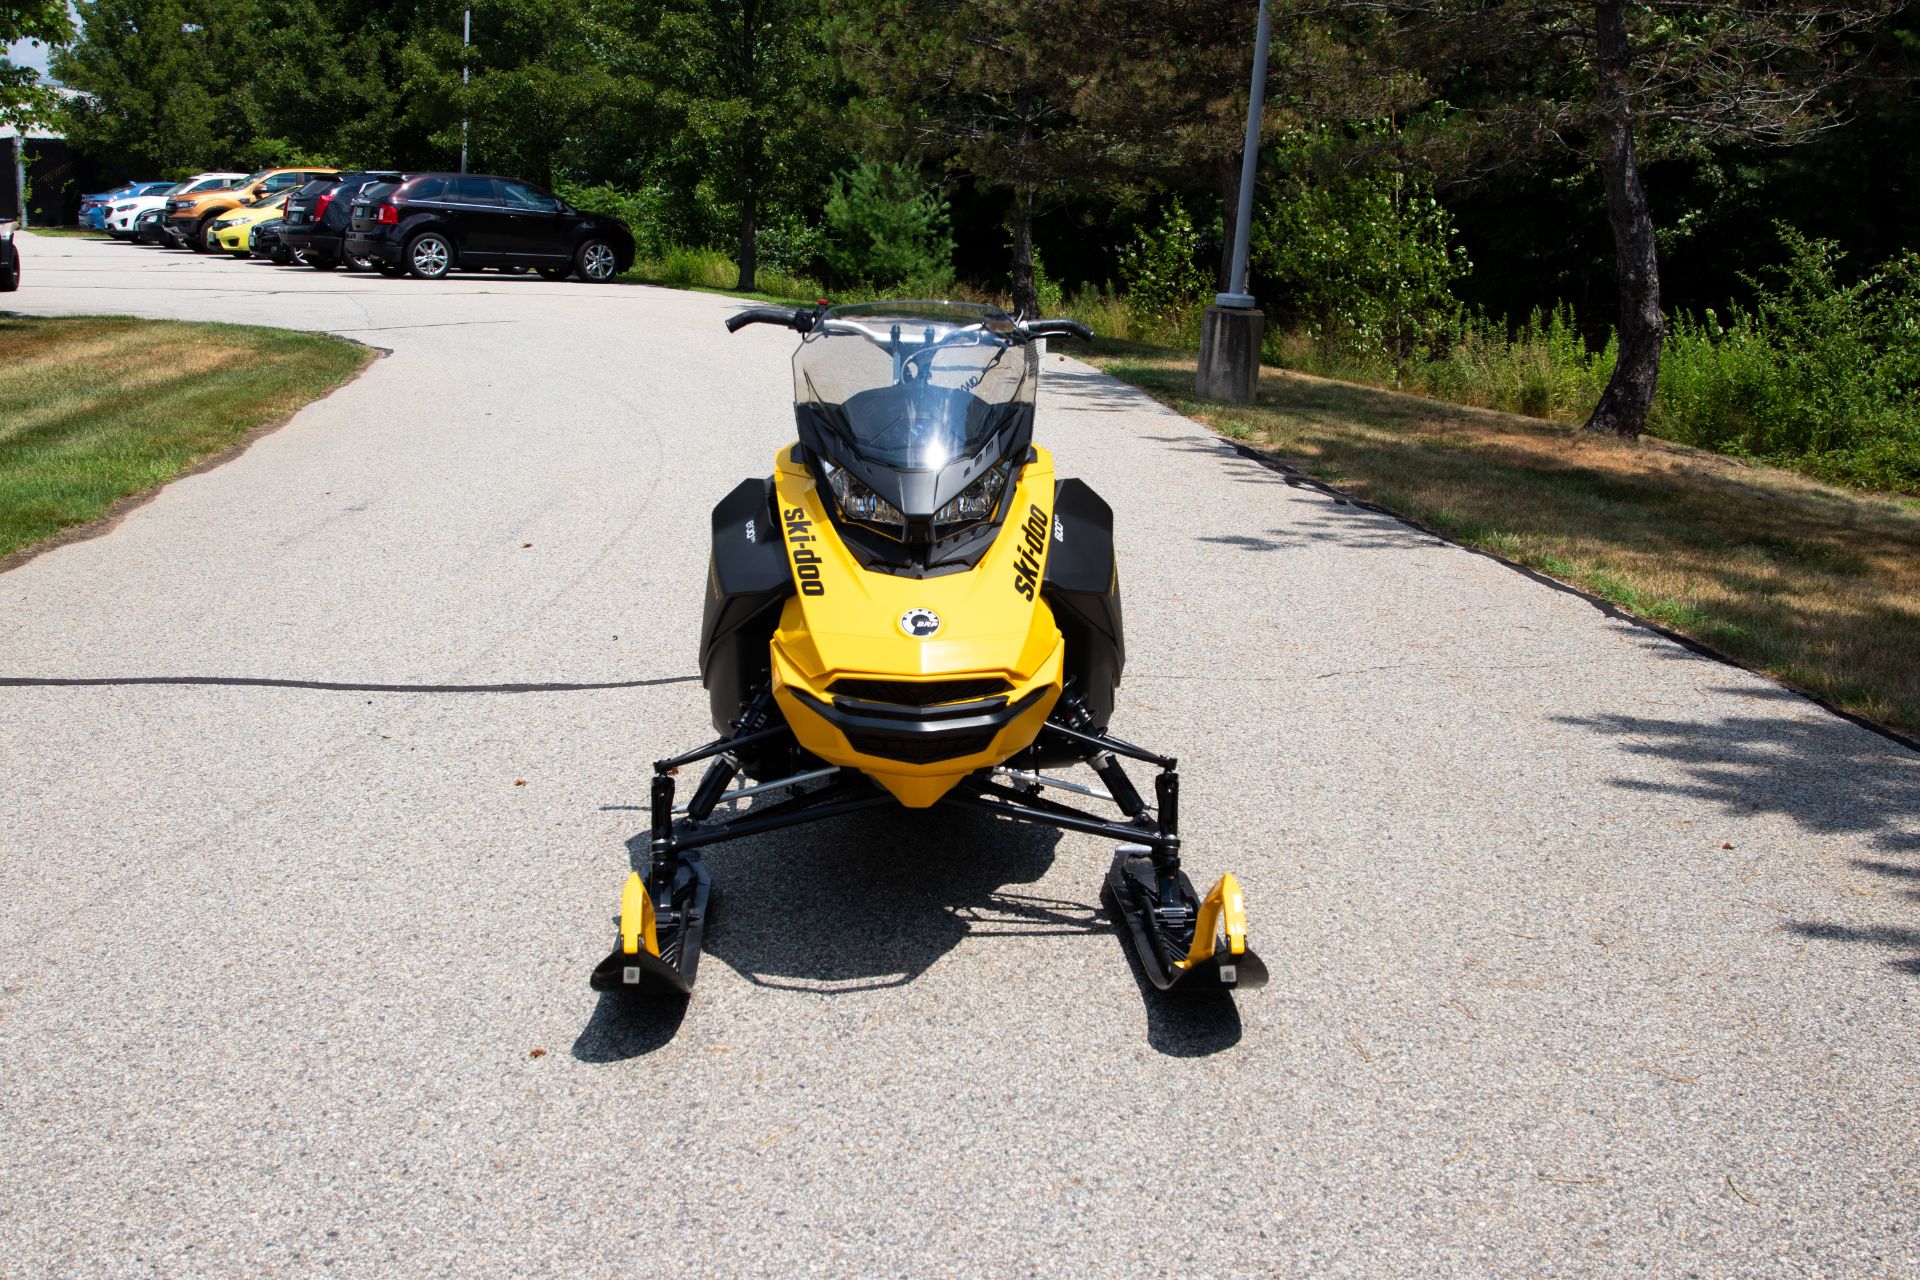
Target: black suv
313 226
439 222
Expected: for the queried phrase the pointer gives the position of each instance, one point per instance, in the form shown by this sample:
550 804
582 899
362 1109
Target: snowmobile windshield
913 386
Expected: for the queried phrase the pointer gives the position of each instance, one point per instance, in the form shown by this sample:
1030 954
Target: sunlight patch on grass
1817 585
95 408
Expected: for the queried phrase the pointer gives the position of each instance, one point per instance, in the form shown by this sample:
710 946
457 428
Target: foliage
789 246
1819 373
884 226
1366 259
23 99
741 84
1165 285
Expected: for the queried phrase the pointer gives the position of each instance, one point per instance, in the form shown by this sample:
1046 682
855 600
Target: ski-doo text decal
806 562
1026 570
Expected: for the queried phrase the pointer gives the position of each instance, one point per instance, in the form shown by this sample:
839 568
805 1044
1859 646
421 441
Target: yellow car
232 231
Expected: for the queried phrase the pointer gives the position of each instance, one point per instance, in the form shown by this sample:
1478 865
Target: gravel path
1591 956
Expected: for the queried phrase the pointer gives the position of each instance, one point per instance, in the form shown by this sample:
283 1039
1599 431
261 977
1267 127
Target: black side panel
1082 586
747 581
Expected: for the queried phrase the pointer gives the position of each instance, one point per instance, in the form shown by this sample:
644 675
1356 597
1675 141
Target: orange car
190 218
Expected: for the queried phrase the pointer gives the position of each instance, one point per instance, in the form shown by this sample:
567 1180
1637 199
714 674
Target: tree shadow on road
1829 776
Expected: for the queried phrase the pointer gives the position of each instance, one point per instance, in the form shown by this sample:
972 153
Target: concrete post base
1230 354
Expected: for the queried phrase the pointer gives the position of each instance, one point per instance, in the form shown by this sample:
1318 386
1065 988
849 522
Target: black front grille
921 748
919 693
919 735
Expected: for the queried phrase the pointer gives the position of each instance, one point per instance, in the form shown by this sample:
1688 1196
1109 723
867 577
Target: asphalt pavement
318 772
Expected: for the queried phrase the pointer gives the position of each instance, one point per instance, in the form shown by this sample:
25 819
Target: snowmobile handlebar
796 318
1057 328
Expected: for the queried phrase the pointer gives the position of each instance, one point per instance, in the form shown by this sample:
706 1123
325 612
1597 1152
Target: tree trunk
749 247
1026 297
1628 399
1229 218
750 158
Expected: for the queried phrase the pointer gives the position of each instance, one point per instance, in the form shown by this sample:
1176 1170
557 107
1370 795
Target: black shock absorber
1119 785
726 766
662 814
1166 852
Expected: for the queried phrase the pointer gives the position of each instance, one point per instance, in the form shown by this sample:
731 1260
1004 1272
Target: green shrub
1165 286
1818 374
787 246
886 227
660 217
1366 259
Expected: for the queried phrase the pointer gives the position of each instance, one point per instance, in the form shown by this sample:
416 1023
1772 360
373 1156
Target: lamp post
1231 331
20 170
466 38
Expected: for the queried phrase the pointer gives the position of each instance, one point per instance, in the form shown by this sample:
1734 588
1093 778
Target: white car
124 217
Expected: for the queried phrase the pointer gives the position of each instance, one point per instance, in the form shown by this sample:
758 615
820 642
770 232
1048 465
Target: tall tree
22 97
1617 78
743 82
1161 88
981 88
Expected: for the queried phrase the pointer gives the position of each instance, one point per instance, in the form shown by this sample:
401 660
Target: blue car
93 209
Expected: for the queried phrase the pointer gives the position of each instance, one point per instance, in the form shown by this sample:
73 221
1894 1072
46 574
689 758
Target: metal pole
466 38
1239 298
20 170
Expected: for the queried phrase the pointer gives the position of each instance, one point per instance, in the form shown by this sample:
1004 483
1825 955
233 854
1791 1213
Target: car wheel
596 263
429 256
200 239
357 263
282 257
554 273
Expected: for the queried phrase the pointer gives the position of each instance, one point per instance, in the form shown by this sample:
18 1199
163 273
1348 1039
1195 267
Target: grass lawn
94 408
1817 585
68 232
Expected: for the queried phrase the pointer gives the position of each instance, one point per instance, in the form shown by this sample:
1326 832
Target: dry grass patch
1817 585
96 408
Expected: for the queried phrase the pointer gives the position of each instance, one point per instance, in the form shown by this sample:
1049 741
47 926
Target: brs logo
806 562
1033 548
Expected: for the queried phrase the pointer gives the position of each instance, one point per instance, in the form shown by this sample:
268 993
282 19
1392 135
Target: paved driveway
1591 956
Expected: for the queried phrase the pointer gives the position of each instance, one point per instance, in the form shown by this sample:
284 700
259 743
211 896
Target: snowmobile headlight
859 502
975 504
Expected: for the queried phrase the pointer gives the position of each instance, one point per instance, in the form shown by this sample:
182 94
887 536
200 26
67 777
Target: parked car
231 231
265 242
124 217
118 200
9 259
150 227
314 225
96 202
191 217
440 222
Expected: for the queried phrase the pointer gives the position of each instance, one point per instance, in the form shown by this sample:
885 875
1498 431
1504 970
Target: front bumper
232 239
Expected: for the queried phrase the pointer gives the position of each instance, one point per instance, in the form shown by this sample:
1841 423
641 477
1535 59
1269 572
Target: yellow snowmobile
914 610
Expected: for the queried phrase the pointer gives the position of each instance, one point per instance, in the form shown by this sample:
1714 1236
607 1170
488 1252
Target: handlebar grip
1062 328
788 317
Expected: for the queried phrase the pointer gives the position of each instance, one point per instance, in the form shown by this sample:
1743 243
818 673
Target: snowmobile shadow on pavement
869 902
872 901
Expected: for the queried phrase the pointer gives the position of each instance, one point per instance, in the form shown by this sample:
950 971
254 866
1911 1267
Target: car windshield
913 385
